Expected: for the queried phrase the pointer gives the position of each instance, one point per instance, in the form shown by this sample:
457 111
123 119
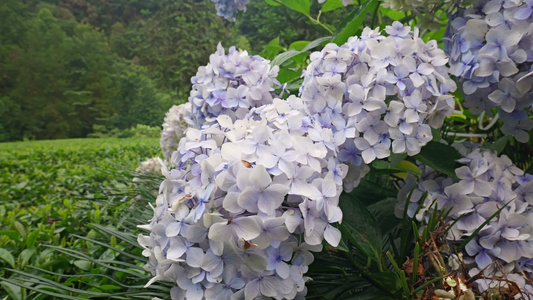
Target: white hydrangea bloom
177 120
149 166
247 202
376 92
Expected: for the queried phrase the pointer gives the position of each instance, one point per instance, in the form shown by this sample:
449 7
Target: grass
50 191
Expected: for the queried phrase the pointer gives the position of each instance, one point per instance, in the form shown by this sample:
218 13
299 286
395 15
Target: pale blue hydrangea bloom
229 8
491 49
486 182
379 91
230 84
236 218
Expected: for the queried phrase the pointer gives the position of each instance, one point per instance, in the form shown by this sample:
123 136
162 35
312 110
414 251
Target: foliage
139 131
50 191
60 78
388 250
165 43
69 67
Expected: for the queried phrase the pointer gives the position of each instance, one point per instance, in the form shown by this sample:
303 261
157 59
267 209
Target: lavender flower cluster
176 122
486 183
491 50
230 85
246 203
229 8
378 90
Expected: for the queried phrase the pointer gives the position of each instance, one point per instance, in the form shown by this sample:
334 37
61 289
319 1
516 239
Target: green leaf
295 86
282 57
441 157
108 287
8 257
395 159
498 145
12 234
331 5
20 228
301 6
14 291
360 227
437 134
30 239
416 260
352 24
299 45
272 49
389 281
83 264
370 192
392 14
383 211
26 255
286 75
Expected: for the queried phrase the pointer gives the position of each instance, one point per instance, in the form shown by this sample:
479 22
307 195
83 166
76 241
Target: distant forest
69 68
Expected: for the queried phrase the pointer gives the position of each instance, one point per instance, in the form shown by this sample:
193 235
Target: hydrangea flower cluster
229 8
376 91
230 85
486 183
147 167
177 120
246 203
490 48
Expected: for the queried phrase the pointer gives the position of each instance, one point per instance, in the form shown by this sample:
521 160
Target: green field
50 191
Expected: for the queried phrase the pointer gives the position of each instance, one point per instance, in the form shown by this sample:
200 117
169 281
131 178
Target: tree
177 38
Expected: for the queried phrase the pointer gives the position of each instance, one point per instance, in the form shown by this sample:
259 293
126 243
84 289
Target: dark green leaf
437 134
360 227
388 281
383 211
441 157
395 159
369 192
